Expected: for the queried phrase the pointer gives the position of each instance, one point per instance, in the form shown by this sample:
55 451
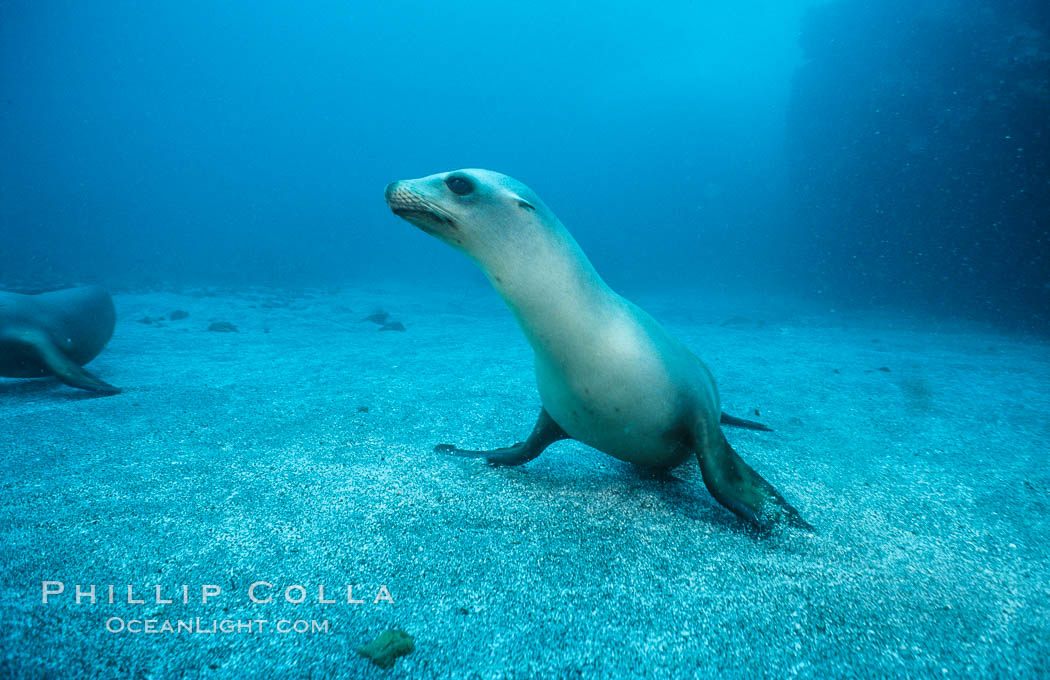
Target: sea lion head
469 209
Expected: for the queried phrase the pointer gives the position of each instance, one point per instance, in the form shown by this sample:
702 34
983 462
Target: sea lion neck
548 283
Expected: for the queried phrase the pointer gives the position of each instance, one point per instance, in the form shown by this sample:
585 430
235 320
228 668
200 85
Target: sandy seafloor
237 457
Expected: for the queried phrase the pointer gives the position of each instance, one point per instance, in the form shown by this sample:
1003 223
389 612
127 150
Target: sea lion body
617 381
56 333
608 374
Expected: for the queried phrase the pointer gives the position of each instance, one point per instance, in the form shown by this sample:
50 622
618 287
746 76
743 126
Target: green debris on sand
385 649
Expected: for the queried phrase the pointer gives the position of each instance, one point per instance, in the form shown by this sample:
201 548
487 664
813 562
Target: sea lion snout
400 197
413 205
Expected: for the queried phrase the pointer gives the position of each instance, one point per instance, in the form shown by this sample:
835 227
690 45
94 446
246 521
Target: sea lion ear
521 201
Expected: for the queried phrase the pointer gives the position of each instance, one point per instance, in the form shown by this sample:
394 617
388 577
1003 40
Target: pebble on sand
378 316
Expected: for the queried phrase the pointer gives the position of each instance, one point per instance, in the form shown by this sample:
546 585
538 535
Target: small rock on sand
378 316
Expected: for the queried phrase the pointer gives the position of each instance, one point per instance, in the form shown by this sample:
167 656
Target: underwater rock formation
919 153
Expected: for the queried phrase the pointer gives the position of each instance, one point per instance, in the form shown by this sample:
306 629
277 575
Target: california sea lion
608 374
55 334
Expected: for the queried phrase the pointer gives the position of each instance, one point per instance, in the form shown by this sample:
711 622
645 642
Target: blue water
841 182
871 154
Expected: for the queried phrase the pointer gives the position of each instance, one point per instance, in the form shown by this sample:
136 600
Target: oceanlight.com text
203 626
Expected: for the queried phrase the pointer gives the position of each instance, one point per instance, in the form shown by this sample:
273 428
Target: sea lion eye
459 185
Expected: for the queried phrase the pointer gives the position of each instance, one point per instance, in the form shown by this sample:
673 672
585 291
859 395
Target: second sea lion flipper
738 487
746 424
545 433
64 368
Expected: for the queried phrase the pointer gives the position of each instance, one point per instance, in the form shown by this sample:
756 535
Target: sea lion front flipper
545 433
738 487
64 368
746 424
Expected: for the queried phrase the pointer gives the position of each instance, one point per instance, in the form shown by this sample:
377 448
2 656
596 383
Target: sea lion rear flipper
747 424
738 487
545 433
64 368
